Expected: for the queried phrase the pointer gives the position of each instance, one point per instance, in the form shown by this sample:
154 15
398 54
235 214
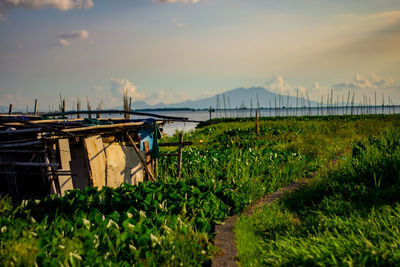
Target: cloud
63 5
97 88
120 86
63 42
315 86
77 35
161 96
178 23
371 81
177 1
278 85
83 34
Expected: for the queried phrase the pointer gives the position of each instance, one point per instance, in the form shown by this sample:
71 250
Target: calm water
205 115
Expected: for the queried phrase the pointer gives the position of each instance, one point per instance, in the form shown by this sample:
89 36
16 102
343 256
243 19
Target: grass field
171 221
349 215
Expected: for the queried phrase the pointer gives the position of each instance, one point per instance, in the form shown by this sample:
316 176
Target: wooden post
64 153
130 108
12 181
63 106
148 157
179 167
54 169
35 110
210 112
78 108
10 110
149 173
257 124
156 167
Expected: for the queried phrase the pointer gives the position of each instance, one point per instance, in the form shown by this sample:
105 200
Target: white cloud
83 34
371 81
77 35
120 86
161 96
63 42
63 5
178 23
280 86
97 88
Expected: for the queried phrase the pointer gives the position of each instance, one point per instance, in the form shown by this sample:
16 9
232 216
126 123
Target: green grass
349 216
228 167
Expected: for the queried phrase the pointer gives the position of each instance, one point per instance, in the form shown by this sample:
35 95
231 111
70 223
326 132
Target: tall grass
286 149
349 216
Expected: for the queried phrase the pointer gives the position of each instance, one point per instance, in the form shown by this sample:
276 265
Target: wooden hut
41 155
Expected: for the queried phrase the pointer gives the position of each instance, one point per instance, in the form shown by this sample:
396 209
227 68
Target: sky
173 50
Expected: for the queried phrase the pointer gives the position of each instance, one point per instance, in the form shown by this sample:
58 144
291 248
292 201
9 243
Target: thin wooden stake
78 108
148 171
257 123
10 109
179 167
35 110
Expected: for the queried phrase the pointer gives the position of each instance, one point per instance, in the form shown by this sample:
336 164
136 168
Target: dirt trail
225 238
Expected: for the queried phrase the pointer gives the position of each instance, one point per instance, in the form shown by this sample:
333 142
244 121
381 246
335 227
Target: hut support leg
149 173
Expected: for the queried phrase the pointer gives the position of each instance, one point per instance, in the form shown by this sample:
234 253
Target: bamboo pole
179 167
322 105
35 110
257 123
10 109
309 105
78 108
148 171
223 95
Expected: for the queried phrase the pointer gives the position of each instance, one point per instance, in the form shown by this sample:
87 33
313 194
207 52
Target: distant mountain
235 98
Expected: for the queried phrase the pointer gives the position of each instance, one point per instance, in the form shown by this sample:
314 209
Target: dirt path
225 238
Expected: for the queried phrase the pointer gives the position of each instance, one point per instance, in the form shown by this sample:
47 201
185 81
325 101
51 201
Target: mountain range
236 98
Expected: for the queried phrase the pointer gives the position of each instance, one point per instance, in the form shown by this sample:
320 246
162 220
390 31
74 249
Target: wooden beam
29 164
176 144
149 173
112 111
99 127
21 151
28 123
30 143
68 120
179 167
30 130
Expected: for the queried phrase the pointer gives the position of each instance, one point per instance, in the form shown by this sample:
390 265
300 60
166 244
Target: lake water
203 115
